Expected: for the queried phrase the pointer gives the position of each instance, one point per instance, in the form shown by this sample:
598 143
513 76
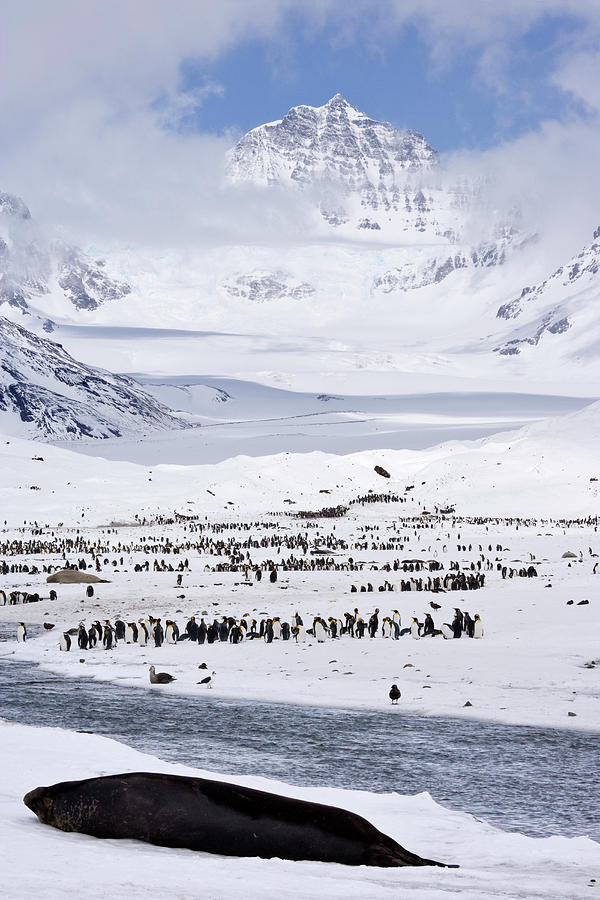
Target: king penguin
64 642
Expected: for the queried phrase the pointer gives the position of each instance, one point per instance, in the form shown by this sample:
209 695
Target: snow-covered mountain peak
11 205
365 175
334 141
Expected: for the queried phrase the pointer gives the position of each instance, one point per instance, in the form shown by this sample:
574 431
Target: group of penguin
151 631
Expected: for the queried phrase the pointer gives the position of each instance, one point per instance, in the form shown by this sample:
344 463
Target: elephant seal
215 817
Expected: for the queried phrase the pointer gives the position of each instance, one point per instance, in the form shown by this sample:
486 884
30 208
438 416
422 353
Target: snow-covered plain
42 861
549 468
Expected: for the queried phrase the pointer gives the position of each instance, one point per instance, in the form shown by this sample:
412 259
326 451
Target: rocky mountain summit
46 394
365 174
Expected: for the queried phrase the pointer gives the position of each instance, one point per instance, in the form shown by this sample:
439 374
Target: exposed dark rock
383 472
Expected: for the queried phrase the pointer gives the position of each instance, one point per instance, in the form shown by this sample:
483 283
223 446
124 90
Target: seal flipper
382 856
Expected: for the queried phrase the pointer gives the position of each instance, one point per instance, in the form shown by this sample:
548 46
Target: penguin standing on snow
457 625
82 637
414 629
477 627
299 632
468 624
21 633
447 632
143 633
192 629
107 636
64 642
374 624
319 630
171 632
428 625
159 634
386 627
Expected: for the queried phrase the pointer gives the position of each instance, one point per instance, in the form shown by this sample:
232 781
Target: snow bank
42 861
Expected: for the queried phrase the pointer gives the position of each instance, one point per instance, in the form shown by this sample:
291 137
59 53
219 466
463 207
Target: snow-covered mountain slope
45 393
565 300
33 266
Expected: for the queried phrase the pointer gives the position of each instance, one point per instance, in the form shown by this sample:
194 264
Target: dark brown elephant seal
216 817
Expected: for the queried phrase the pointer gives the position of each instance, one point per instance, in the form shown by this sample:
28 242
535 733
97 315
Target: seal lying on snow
216 817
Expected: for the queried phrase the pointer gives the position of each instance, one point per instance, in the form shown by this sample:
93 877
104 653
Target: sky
117 113
393 79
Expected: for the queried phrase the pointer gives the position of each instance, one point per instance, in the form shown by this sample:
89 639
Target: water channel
539 781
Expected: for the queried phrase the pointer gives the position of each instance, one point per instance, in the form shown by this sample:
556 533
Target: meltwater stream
538 781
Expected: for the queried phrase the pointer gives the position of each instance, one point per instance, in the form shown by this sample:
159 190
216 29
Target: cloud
579 75
97 125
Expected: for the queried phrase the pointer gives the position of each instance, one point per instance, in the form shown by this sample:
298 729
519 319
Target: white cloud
579 75
91 101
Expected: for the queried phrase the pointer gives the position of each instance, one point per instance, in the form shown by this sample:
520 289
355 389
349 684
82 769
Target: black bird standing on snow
394 693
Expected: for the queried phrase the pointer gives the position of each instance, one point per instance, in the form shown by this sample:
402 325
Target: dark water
539 781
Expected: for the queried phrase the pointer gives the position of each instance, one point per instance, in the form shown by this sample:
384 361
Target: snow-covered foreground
45 862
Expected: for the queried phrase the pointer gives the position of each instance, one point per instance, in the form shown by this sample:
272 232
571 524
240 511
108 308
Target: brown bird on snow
394 693
48 626
161 678
434 605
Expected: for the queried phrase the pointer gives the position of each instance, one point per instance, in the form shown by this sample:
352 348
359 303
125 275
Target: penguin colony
261 551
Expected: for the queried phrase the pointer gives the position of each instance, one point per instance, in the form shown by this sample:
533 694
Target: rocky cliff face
45 393
554 305
31 266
